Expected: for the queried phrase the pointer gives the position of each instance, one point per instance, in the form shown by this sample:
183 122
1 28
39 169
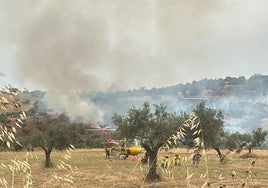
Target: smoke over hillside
71 46
243 102
101 45
68 47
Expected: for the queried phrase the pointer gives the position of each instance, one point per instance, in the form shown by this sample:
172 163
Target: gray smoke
104 45
68 47
91 45
264 123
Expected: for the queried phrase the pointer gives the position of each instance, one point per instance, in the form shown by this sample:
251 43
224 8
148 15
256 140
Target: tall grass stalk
66 180
7 135
192 123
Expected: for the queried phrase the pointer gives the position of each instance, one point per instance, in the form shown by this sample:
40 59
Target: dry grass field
91 170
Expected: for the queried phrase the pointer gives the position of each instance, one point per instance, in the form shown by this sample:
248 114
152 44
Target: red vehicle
124 147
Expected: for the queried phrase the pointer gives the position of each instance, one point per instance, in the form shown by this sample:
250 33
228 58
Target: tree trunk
152 175
250 150
47 155
240 147
152 155
221 156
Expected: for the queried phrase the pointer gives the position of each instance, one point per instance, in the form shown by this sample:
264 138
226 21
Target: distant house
97 131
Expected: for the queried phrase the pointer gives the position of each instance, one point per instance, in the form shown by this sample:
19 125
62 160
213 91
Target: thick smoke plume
104 45
72 46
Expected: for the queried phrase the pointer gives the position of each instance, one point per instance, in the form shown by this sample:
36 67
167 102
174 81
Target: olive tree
209 124
250 140
236 141
53 135
153 126
212 124
257 139
157 128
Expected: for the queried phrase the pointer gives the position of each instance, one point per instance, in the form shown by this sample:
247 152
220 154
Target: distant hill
244 102
16 103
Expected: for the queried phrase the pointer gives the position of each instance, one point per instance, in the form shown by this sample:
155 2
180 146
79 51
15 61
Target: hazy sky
125 44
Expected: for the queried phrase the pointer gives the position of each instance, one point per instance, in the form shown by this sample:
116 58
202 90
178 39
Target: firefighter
177 160
197 155
108 151
165 162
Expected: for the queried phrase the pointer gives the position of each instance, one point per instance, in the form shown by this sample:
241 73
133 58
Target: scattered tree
211 121
257 139
54 134
236 141
154 128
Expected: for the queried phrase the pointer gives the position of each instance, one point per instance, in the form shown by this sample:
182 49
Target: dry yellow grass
91 170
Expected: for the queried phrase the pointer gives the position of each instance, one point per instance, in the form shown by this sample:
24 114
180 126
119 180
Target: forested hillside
243 101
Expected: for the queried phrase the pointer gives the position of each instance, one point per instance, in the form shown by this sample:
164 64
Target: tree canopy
212 123
249 140
153 127
158 127
257 138
54 134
